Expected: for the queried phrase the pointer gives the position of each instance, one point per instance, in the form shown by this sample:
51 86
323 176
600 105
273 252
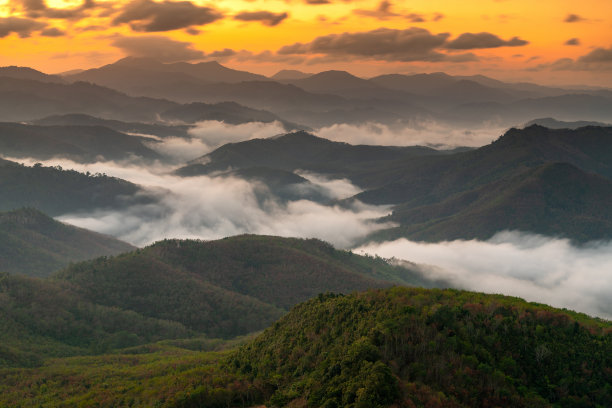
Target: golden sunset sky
547 41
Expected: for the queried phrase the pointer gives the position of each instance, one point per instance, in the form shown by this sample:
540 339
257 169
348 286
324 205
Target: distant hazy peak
553 123
290 74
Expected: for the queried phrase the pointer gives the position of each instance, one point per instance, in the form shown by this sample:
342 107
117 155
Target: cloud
215 207
573 18
224 53
469 41
39 9
427 133
598 55
151 16
599 59
382 12
437 17
534 267
573 41
52 32
162 48
265 17
413 44
208 135
23 27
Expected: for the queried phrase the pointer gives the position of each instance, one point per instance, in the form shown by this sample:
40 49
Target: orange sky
548 41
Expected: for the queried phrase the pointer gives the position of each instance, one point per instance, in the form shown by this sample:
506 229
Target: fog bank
536 268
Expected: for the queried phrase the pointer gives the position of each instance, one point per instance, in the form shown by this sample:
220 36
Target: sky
546 41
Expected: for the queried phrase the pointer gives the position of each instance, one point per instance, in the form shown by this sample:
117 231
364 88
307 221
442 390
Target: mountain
176 288
569 107
552 123
228 112
25 100
289 75
394 347
428 180
79 119
28 73
563 174
133 74
34 244
56 191
554 199
79 143
415 347
301 150
420 84
248 279
347 85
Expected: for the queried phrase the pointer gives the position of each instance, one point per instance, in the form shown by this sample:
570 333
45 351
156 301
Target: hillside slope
415 347
56 191
33 244
184 288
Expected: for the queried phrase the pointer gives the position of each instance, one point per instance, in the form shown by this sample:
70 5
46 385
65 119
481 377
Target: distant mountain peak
290 74
137 61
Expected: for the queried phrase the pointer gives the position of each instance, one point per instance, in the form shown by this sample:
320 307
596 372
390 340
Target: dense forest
398 347
173 289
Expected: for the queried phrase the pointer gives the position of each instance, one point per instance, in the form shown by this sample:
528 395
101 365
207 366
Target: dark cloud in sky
150 16
413 44
598 55
384 11
225 53
470 41
437 17
52 32
39 9
265 17
573 41
23 27
573 18
161 48
317 2
599 59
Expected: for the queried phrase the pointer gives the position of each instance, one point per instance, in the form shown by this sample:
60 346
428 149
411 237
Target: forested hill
177 288
34 244
56 191
422 348
248 280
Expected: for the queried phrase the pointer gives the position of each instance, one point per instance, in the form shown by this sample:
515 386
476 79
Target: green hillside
434 348
31 243
177 288
42 319
396 347
227 287
56 191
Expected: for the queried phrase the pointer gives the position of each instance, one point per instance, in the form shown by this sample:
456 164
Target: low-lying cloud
208 135
215 207
425 134
536 268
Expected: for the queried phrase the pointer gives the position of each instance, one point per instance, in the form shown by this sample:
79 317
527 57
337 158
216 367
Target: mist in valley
534 267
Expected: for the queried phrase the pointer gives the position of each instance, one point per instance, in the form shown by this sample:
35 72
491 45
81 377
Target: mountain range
535 179
174 288
312 100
